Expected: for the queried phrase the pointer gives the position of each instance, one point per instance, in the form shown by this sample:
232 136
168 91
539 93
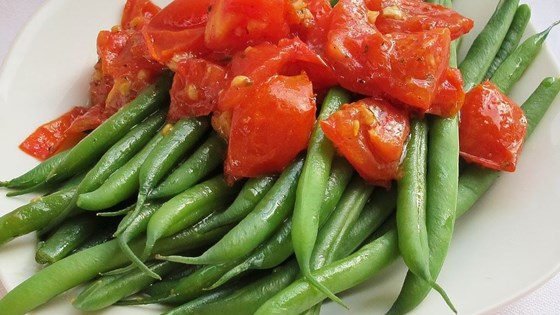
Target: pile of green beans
139 212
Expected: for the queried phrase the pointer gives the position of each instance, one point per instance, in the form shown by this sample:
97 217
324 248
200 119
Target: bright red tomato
46 140
126 63
492 128
89 120
371 134
271 127
416 16
405 67
137 12
178 30
309 20
258 63
195 88
235 24
450 94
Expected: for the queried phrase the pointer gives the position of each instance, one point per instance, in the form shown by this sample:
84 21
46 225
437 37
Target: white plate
503 248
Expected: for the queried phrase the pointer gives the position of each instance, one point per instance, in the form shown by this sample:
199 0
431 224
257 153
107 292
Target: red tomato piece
138 12
271 127
371 134
45 140
177 30
411 66
309 20
109 45
234 25
416 16
100 85
125 62
450 94
405 67
492 128
89 120
195 88
260 62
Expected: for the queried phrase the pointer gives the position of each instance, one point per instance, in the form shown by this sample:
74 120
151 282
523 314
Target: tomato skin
178 29
45 140
137 12
258 63
416 16
404 67
272 127
371 134
492 128
195 89
309 21
412 66
234 25
450 94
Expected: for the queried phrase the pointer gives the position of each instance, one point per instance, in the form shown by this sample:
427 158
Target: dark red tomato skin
196 86
492 128
234 25
45 140
271 128
450 94
371 134
404 67
178 29
415 16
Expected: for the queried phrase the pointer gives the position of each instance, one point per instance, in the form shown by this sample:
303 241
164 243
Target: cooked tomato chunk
271 126
492 128
371 134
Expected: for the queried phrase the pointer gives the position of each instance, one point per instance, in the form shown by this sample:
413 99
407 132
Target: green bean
193 306
182 136
86 265
203 161
473 182
186 288
515 65
512 39
411 208
487 43
36 175
338 225
311 188
274 208
69 236
338 276
371 258
379 208
247 299
89 149
108 290
136 227
122 151
167 284
343 218
252 192
117 155
279 246
121 185
35 215
187 208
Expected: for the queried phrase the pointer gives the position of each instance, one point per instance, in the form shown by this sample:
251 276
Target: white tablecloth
543 301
